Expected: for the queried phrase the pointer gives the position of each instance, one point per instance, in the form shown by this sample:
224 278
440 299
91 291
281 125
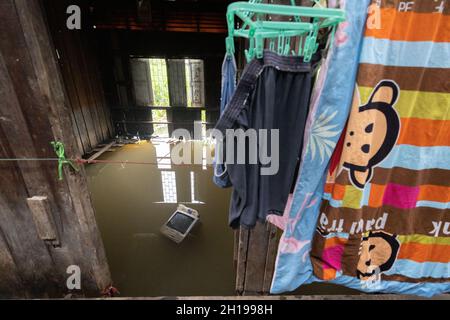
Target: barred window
168 82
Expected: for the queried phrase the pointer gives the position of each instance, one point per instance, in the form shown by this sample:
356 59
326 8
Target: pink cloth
281 221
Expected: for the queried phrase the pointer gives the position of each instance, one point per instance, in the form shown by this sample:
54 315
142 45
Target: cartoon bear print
372 132
378 253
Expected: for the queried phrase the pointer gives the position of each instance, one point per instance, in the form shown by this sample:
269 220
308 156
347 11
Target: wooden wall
206 16
34 111
78 60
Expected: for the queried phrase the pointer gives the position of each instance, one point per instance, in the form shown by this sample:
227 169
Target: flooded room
218 149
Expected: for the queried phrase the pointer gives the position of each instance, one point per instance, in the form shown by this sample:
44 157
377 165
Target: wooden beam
271 256
102 151
241 260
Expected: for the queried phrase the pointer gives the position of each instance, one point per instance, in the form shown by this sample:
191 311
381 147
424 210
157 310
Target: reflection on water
133 201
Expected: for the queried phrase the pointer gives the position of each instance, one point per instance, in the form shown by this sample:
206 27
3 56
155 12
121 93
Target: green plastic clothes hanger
256 27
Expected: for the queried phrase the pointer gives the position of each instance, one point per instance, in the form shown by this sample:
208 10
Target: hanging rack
257 28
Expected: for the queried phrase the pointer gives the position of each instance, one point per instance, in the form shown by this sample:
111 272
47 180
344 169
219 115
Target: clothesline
62 160
85 161
29 159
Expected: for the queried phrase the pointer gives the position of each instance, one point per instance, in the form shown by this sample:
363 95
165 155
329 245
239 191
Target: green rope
59 150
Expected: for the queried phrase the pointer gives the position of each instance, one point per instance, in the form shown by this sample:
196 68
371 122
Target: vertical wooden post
256 254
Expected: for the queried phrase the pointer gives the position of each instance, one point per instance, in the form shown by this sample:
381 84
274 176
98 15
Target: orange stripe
424 252
434 193
411 26
328 187
376 195
328 274
424 132
338 192
335 241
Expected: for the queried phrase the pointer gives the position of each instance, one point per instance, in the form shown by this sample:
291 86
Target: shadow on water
133 201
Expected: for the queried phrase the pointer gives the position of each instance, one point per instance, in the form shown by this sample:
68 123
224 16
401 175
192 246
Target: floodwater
133 201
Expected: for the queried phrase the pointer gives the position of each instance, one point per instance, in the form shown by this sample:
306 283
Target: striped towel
384 221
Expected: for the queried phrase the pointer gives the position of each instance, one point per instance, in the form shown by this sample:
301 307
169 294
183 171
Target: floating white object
180 223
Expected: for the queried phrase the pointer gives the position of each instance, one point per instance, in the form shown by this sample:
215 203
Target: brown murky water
133 201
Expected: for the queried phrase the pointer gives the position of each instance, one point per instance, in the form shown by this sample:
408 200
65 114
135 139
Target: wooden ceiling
206 16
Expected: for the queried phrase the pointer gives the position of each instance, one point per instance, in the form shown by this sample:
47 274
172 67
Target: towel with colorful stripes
384 221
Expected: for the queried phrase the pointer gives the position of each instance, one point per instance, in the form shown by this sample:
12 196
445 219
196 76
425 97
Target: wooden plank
235 248
60 37
74 46
102 151
43 218
77 130
33 260
241 260
17 246
98 149
109 131
272 248
256 259
87 63
256 256
77 84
